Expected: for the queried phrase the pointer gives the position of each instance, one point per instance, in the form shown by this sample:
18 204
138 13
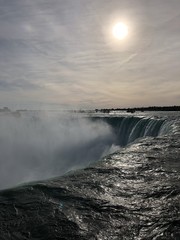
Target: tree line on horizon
141 109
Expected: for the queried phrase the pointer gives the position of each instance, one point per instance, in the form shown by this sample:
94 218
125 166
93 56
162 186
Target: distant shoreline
140 109
102 110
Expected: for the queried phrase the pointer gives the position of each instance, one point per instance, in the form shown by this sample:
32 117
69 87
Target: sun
120 30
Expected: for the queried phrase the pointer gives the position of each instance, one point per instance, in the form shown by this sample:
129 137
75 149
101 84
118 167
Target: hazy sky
62 54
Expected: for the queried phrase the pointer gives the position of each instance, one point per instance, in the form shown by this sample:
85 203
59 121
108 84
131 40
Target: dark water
133 193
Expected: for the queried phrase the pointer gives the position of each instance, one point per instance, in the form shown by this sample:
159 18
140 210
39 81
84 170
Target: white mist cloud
40 146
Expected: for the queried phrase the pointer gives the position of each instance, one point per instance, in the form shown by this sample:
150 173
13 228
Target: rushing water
132 193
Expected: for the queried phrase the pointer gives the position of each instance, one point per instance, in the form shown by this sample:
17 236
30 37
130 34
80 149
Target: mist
38 146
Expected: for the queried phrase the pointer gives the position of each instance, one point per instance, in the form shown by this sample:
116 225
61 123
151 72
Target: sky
61 54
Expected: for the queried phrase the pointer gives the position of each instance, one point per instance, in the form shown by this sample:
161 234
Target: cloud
18 84
66 47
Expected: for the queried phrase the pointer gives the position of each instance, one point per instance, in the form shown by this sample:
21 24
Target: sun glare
120 30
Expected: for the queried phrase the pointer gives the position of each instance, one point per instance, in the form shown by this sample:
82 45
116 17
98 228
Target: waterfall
128 129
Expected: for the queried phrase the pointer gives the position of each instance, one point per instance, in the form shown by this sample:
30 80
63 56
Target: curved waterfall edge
127 129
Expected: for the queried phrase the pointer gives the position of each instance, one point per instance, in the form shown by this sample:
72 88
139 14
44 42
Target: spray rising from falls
36 146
